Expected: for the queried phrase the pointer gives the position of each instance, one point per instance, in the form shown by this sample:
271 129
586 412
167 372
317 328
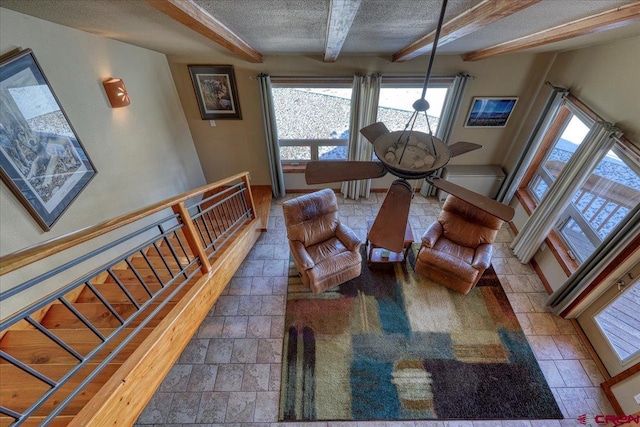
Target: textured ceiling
380 27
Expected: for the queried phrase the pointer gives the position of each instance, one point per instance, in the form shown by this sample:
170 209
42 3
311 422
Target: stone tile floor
229 374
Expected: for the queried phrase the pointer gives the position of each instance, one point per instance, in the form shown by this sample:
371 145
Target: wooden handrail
24 257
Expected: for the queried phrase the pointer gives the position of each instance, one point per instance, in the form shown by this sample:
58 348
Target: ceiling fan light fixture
429 155
408 155
421 105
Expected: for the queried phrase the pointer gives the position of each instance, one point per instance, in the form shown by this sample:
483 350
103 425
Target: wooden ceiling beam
615 18
188 13
481 15
341 16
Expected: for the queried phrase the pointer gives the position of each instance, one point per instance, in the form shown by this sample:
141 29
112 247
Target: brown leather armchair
457 249
325 251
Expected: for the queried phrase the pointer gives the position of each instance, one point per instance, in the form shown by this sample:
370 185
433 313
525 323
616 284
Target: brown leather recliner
457 249
325 251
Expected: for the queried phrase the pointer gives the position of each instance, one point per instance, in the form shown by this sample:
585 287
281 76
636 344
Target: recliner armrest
300 255
431 236
482 258
348 237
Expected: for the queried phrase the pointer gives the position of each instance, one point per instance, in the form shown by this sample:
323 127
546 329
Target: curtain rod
577 102
350 78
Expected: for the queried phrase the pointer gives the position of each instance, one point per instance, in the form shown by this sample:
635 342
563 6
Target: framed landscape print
490 112
41 158
216 92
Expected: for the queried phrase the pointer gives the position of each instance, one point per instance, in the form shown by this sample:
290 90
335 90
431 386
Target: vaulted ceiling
399 29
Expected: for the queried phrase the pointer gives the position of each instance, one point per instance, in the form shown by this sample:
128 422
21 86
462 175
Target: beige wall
143 153
235 145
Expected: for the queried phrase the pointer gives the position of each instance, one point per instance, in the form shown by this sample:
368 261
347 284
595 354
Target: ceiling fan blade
388 228
495 208
462 147
374 131
323 171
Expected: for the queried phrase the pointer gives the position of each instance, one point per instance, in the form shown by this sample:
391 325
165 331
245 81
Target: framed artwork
490 112
41 158
216 92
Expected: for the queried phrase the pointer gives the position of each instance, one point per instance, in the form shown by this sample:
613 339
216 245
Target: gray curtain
589 153
448 119
364 110
512 181
578 282
271 136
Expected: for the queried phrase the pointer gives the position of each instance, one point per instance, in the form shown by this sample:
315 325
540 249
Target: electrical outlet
212 123
637 398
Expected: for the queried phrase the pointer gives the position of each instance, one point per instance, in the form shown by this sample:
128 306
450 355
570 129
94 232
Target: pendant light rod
433 51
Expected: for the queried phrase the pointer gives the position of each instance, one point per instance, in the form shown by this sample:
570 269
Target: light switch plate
212 123
637 398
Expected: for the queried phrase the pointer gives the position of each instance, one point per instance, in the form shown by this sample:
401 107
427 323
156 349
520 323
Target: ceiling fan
408 154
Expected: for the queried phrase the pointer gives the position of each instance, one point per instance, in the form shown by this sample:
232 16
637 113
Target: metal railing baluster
165 239
8 412
140 279
179 240
155 273
213 221
164 261
123 288
26 368
104 301
55 338
197 224
81 317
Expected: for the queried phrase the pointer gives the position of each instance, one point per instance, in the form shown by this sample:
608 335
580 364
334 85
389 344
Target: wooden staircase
30 345
149 305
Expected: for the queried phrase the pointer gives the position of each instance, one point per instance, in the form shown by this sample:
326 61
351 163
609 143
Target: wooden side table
376 254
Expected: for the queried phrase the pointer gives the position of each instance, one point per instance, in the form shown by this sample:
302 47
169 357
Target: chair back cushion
467 225
311 218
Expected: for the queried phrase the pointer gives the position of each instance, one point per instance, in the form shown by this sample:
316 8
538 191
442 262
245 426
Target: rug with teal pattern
391 345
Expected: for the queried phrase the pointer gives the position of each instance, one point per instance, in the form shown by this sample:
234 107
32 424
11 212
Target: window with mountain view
313 118
608 193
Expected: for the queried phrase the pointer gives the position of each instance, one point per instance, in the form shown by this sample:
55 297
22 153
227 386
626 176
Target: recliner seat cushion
445 261
334 266
327 249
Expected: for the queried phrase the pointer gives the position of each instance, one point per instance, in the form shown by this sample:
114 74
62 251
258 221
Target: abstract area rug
391 345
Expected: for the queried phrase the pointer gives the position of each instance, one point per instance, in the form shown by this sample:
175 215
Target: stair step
112 292
159 262
23 389
32 347
59 421
59 317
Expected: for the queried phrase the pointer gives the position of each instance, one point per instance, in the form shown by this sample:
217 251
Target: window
607 195
312 119
557 156
313 115
395 104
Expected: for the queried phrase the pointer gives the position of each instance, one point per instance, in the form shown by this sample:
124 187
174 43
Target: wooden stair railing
94 351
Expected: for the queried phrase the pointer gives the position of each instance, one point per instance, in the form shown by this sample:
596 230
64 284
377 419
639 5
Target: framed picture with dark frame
490 112
41 158
216 92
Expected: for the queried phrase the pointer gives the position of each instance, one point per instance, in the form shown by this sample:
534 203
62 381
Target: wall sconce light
116 92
